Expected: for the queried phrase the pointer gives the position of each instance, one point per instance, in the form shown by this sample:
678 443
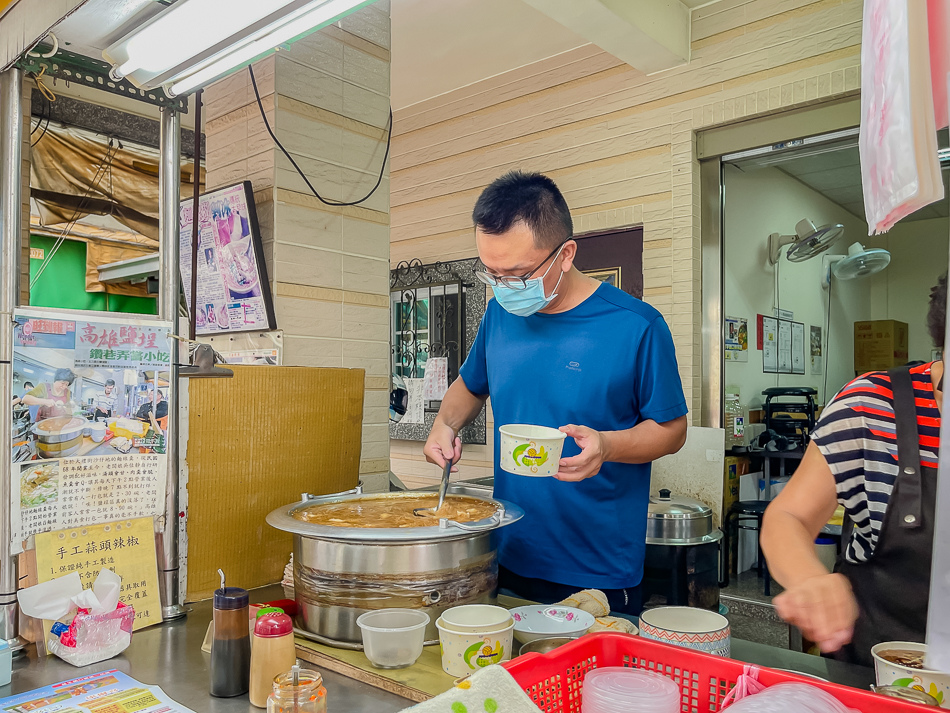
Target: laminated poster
104 692
90 416
233 290
736 339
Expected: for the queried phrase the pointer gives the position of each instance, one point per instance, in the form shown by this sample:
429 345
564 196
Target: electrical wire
382 169
49 114
100 173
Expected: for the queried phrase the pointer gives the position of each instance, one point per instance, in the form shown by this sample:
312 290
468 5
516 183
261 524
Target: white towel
491 690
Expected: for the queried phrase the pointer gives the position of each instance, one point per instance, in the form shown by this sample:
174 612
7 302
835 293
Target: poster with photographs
233 291
736 341
90 418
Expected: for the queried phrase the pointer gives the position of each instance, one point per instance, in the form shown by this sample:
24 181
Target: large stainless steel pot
682 561
342 572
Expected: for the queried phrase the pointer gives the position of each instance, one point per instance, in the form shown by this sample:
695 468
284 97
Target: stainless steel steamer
342 572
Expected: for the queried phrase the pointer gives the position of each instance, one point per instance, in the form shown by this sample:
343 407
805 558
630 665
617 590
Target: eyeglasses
515 283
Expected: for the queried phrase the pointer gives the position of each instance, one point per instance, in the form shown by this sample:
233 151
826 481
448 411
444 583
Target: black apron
893 587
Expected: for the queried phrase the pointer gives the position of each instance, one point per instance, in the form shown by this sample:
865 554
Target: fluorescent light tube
260 43
205 39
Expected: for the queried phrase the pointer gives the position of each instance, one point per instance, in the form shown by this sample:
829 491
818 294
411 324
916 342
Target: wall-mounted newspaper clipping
90 414
233 291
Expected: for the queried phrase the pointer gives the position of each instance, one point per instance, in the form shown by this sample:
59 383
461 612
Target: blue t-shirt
608 364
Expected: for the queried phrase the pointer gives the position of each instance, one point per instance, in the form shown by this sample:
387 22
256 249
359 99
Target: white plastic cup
393 638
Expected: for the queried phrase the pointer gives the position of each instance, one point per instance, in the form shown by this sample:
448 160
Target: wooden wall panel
620 144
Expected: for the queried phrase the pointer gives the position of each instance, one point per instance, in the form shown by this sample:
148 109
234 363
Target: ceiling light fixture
195 42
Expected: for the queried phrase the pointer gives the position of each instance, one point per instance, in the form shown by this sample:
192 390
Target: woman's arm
817 602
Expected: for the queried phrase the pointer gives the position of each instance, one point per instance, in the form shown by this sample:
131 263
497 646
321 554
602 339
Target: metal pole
169 180
11 154
193 307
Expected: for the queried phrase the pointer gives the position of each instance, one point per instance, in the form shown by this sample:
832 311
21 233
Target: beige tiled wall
620 144
327 99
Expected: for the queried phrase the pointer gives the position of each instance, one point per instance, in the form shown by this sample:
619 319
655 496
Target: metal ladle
443 488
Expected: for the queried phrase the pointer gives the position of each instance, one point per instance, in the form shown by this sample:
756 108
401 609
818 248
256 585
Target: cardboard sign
127 548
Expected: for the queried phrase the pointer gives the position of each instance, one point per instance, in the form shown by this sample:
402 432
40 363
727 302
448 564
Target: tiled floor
751 614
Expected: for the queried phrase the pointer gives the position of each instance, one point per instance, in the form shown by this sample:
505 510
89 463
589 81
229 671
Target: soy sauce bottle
231 645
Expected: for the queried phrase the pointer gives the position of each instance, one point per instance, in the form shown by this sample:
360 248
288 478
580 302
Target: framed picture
232 285
611 275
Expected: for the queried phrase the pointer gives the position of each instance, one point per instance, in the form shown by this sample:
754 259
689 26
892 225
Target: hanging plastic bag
938 31
899 166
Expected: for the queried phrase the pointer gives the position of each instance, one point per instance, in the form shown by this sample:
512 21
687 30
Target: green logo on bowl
918 685
483 654
529 455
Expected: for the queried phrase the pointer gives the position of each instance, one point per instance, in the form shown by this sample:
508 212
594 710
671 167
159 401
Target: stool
738 518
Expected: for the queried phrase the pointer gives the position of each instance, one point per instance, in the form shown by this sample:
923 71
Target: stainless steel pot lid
679 521
667 506
283 519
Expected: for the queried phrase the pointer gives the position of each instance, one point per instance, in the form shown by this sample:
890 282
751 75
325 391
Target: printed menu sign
90 417
126 547
233 291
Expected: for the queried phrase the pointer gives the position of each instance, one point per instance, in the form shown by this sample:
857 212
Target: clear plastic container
734 421
631 690
393 638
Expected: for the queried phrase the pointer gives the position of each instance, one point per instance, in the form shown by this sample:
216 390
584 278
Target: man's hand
587 463
823 607
443 444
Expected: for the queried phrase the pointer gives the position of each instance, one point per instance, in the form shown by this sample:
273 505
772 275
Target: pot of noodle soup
356 552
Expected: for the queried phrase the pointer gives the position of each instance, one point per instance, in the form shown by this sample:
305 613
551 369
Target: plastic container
272 654
531 450
734 421
298 691
631 690
6 663
554 681
231 645
393 638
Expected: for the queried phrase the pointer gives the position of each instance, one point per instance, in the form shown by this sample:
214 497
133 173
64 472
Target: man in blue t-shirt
557 348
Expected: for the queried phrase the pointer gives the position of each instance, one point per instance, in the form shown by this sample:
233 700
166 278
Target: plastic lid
268 610
273 624
230 598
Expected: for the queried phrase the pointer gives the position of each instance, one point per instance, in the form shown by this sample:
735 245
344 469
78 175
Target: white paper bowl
530 450
544 622
936 683
698 629
464 653
475 618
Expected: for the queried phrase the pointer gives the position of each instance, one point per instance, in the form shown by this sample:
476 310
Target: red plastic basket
555 681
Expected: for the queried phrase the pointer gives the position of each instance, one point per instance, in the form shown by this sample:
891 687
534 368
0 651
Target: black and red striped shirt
857 436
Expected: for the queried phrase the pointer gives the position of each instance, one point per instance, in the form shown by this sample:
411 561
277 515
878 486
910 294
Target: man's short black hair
937 314
531 198
110 382
27 383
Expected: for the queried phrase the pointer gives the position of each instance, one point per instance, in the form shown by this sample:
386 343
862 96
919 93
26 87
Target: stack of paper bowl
629 690
474 636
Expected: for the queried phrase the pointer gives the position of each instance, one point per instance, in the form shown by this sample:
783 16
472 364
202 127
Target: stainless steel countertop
169 655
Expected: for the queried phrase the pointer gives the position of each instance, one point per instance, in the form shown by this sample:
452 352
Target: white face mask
524 303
